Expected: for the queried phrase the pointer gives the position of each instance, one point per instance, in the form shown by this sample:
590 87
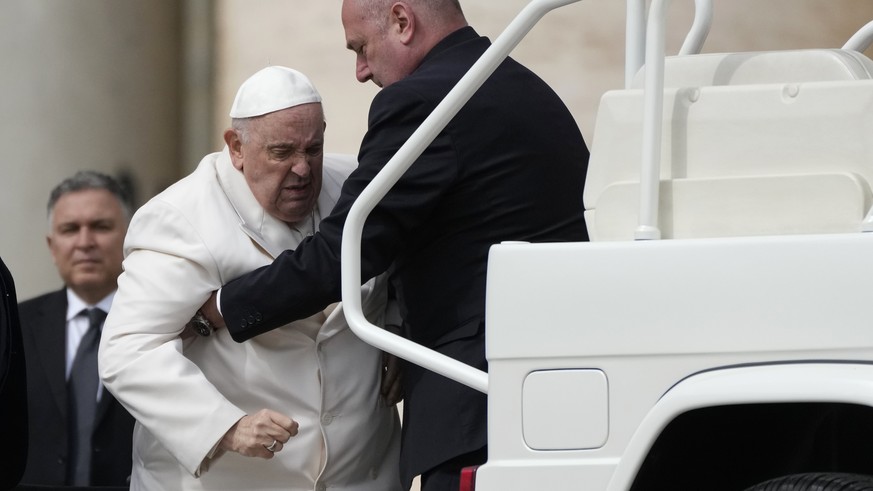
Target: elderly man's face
281 159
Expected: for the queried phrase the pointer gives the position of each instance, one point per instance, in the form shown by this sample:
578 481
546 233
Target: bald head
447 11
391 37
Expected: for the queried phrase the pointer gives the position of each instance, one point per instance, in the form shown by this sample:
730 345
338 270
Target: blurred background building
141 88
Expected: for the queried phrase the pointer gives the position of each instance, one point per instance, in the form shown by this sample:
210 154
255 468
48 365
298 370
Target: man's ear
48 241
234 146
402 22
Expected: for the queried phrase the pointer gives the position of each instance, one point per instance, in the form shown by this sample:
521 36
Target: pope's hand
259 435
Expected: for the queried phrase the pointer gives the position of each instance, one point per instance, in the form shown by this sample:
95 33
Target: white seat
753 144
763 67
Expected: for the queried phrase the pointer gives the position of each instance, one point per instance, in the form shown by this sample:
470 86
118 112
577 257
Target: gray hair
88 179
241 126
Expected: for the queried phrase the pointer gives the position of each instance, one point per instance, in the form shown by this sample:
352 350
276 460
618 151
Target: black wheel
820 481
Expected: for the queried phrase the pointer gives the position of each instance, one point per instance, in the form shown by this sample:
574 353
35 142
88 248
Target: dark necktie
83 399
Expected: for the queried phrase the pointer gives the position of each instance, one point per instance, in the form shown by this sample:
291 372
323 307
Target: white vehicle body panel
673 325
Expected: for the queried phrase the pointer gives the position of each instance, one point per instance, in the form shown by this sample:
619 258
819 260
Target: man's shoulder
438 73
29 307
52 296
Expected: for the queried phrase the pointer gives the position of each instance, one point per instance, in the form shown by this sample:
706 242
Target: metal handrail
653 108
862 39
635 40
635 34
699 28
391 173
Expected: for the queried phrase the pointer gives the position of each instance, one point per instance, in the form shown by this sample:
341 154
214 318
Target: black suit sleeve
13 394
301 282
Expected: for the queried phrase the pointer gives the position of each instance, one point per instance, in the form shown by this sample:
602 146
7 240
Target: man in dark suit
71 444
510 166
13 398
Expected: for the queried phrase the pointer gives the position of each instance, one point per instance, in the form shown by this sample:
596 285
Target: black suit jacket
13 398
509 167
43 327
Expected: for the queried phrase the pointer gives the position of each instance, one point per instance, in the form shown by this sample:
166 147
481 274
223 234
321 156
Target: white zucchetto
272 89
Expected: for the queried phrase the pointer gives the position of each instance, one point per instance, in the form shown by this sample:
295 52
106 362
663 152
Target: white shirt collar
75 304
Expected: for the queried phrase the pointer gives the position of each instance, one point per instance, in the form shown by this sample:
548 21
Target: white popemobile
716 333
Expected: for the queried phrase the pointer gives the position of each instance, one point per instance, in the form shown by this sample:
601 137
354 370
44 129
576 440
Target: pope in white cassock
298 408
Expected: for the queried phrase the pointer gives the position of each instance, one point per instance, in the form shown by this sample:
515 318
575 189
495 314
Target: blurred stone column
85 84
